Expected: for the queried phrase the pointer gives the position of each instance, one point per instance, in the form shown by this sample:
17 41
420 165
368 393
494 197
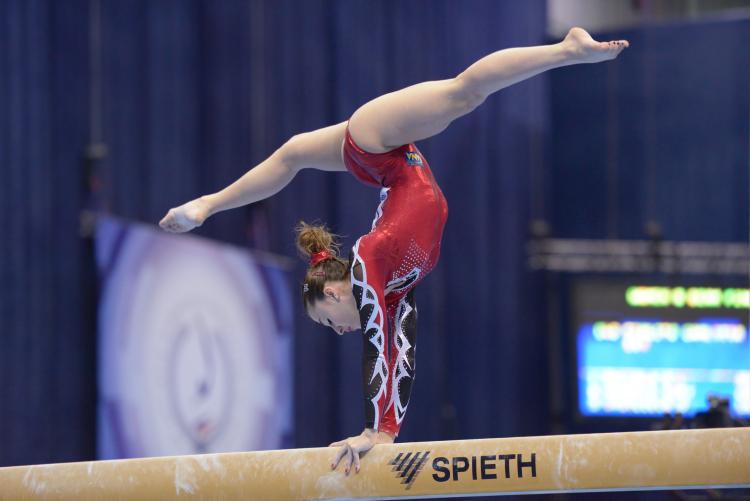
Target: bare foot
585 49
185 217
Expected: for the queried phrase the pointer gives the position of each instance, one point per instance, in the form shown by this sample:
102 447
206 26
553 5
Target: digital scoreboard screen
645 350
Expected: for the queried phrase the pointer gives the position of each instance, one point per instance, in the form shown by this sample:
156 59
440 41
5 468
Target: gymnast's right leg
426 109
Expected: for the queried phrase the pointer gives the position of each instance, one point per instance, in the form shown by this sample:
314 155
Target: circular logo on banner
190 356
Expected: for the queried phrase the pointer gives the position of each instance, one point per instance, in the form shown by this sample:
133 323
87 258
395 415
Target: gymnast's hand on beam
351 447
186 216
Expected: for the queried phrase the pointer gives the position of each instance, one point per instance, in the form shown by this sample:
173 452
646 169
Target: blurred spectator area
598 15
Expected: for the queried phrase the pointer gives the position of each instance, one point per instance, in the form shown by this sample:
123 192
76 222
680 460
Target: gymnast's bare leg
426 109
389 121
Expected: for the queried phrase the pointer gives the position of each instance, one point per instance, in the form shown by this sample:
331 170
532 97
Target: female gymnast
374 289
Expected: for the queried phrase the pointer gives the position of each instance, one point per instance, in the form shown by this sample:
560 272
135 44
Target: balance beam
681 459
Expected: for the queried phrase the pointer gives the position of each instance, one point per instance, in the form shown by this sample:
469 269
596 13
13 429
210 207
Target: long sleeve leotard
401 248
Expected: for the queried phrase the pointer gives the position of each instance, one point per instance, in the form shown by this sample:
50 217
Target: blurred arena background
594 272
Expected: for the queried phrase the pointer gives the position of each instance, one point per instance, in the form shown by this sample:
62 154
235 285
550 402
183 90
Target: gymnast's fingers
339 455
356 462
349 458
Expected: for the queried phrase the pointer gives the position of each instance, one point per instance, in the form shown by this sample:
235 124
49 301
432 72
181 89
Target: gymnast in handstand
373 290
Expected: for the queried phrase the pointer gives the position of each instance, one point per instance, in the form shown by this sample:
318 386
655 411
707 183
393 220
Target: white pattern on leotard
375 321
401 367
379 210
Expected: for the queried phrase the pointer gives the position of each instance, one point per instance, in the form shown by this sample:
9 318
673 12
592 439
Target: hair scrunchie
320 256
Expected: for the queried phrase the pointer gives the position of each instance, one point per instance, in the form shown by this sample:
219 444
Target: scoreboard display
643 350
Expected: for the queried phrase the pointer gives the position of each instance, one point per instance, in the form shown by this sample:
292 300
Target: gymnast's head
326 289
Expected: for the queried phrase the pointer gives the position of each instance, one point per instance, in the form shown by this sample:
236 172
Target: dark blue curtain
47 374
661 137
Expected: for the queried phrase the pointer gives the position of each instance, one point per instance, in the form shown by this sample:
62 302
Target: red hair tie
320 256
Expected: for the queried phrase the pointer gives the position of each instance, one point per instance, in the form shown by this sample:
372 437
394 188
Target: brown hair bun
312 238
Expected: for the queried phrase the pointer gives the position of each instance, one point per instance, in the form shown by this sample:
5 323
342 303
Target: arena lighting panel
654 460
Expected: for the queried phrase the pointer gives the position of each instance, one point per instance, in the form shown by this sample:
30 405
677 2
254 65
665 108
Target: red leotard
387 263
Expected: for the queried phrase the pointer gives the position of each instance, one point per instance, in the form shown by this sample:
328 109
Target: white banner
195 346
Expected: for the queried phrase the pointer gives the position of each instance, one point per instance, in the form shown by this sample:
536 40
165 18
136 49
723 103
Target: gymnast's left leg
426 109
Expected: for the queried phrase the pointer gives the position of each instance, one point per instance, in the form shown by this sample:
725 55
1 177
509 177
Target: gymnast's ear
330 293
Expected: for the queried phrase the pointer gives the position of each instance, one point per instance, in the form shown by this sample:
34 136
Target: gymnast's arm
402 365
369 297
319 149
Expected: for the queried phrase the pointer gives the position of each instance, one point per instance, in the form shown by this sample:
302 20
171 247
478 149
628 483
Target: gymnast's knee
292 151
467 96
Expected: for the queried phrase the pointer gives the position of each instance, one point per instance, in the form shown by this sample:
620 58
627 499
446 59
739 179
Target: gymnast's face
338 310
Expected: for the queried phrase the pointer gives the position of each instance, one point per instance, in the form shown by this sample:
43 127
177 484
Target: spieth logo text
450 469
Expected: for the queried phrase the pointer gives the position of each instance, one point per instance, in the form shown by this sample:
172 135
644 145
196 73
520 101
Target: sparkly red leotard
387 263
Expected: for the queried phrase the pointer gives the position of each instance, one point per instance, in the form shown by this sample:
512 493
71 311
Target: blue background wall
661 136
194 93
